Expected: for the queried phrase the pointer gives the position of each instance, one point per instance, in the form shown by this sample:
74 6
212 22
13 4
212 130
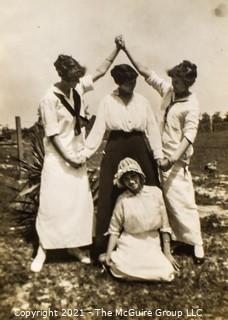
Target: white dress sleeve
117 220
85 84
153 134
95 136
160 85
49 117
191 124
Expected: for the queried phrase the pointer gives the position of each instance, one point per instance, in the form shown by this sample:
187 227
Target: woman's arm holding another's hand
71 159
144 71
103 68
166 163
153 134
95 137
160 85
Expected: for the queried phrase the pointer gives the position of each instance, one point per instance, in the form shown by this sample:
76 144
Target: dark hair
185 70
122 73
65 63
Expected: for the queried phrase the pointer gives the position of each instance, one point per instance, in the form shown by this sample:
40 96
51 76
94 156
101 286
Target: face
127 88
132 181
71 78
179 85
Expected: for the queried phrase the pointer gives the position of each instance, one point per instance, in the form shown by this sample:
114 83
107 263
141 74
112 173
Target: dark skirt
120 145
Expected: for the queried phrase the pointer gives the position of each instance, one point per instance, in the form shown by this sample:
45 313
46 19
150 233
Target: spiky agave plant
27 200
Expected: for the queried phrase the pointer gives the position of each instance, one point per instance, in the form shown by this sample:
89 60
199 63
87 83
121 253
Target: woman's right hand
172 260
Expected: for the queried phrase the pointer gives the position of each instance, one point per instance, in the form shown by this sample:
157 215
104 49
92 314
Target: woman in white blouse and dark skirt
133 133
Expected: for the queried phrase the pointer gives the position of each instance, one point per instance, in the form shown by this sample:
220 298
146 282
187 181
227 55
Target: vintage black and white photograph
114 159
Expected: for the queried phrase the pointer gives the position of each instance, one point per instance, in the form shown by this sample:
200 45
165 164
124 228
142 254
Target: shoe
198 254
198 251
80 255
38 262
85 260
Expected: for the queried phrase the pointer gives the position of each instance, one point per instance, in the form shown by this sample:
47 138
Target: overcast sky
160 33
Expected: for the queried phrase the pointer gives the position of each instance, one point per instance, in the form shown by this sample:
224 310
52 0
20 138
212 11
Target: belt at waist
124 134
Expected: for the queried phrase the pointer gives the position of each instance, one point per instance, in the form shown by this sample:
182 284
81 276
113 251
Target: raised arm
160 85
142 70
103 68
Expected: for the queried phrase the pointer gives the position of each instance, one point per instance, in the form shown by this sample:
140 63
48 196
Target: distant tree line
213 123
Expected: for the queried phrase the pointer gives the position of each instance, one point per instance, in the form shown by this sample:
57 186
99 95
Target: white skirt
180 202
139 256
65 214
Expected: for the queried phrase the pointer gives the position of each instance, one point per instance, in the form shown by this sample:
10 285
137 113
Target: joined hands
120 43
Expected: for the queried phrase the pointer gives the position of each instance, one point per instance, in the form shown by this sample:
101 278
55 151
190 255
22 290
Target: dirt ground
66 289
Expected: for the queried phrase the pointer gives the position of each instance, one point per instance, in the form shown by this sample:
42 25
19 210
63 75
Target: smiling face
132 181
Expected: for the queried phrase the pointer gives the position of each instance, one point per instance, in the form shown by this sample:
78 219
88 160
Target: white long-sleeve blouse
140 213
113 114
182 119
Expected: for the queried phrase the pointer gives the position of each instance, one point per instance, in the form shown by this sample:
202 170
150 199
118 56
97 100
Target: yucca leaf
28 190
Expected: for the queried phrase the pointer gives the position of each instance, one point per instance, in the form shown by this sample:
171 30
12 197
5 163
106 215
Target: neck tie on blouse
75 112
169 107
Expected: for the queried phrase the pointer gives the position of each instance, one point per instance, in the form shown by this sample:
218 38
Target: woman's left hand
170 257
80 158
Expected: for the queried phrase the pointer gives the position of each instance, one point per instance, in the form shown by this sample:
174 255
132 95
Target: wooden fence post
20 149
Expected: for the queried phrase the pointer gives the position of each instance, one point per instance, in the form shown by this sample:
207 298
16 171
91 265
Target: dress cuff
166 229
51 130
114 232
158 154
190 135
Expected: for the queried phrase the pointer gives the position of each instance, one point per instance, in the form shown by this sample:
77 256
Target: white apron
180 203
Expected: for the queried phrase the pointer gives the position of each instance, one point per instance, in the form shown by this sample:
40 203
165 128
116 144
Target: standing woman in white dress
181 113
65 212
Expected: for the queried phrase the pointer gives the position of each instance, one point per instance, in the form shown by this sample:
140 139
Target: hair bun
123 72
185 70
64 63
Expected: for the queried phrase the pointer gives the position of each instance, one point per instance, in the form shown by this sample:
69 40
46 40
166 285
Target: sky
159 33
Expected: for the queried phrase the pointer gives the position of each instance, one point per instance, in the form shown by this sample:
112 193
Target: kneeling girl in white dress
134 250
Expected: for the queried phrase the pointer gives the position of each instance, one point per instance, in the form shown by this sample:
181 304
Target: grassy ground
211 147
66 284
